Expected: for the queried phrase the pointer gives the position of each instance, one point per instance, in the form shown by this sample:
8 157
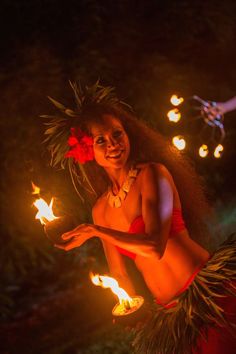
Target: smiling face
111 143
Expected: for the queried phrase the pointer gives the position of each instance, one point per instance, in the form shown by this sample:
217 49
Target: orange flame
203 150
218 151
36 189
45 212
174 115
179 142
175 100
109 282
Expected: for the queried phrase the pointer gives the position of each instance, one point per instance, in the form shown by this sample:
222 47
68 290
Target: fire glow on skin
52 226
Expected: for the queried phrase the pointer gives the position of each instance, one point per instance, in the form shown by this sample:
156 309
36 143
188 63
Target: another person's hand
220 108
213 111
77 236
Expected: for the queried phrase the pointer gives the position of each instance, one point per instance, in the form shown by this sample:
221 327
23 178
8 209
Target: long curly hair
148 145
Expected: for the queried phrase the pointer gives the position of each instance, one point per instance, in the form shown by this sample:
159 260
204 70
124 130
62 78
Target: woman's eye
117 133
100 141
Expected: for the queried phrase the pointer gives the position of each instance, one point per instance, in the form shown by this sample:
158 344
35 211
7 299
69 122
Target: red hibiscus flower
81 146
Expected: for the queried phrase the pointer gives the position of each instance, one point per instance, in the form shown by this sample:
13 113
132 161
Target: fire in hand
127 304
45 211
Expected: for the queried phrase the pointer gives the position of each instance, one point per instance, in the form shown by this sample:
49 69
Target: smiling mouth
115 156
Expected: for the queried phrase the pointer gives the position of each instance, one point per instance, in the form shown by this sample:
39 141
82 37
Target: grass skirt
177 330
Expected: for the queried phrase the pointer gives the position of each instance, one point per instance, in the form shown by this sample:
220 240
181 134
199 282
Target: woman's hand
77 236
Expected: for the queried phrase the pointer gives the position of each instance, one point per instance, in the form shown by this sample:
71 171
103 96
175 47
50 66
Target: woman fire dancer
149 207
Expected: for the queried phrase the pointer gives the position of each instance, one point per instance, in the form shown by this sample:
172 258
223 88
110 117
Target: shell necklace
115 201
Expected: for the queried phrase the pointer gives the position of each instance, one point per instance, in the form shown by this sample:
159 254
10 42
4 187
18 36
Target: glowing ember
179 142
121 310
45 212
175 100
174 115
203 150
218 151
36 190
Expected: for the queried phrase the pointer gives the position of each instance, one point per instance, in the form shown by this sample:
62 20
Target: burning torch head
54 226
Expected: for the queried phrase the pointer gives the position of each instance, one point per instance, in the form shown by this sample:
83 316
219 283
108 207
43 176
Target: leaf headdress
58 128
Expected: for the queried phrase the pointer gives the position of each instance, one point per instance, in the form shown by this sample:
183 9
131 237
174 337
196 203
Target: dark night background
148 50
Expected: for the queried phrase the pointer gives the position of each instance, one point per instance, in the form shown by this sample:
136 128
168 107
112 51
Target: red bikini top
138 226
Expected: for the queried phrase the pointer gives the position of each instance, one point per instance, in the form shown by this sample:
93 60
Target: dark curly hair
148 145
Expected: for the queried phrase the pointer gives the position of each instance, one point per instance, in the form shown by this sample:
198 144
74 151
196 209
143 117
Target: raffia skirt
203 318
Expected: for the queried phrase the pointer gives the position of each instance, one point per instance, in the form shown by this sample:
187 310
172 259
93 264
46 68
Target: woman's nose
112 142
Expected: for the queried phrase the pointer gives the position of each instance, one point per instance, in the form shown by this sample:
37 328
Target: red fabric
177 224
138 226
220 340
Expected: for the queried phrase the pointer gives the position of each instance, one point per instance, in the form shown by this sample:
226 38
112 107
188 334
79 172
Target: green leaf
57 104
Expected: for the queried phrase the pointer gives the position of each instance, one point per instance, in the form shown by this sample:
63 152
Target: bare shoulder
156 186
153 171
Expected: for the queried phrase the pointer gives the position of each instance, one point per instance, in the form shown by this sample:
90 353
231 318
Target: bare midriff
165 277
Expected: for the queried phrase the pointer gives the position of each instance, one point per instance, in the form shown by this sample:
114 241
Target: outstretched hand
214 111
76 237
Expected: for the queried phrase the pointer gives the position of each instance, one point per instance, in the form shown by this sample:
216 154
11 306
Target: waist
186 285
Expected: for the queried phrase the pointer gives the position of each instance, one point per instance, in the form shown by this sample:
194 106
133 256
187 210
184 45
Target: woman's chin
118 163
113 162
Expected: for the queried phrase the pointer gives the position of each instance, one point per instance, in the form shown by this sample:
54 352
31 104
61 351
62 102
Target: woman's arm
117 267
157 209
115 261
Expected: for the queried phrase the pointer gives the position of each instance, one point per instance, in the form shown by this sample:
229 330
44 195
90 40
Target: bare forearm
136 243
230 105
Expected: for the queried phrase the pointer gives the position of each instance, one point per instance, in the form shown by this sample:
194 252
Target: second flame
109 282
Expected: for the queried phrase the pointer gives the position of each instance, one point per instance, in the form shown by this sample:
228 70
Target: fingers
72 243
58 246
75 232
68 235
67 246
76 237
213 111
